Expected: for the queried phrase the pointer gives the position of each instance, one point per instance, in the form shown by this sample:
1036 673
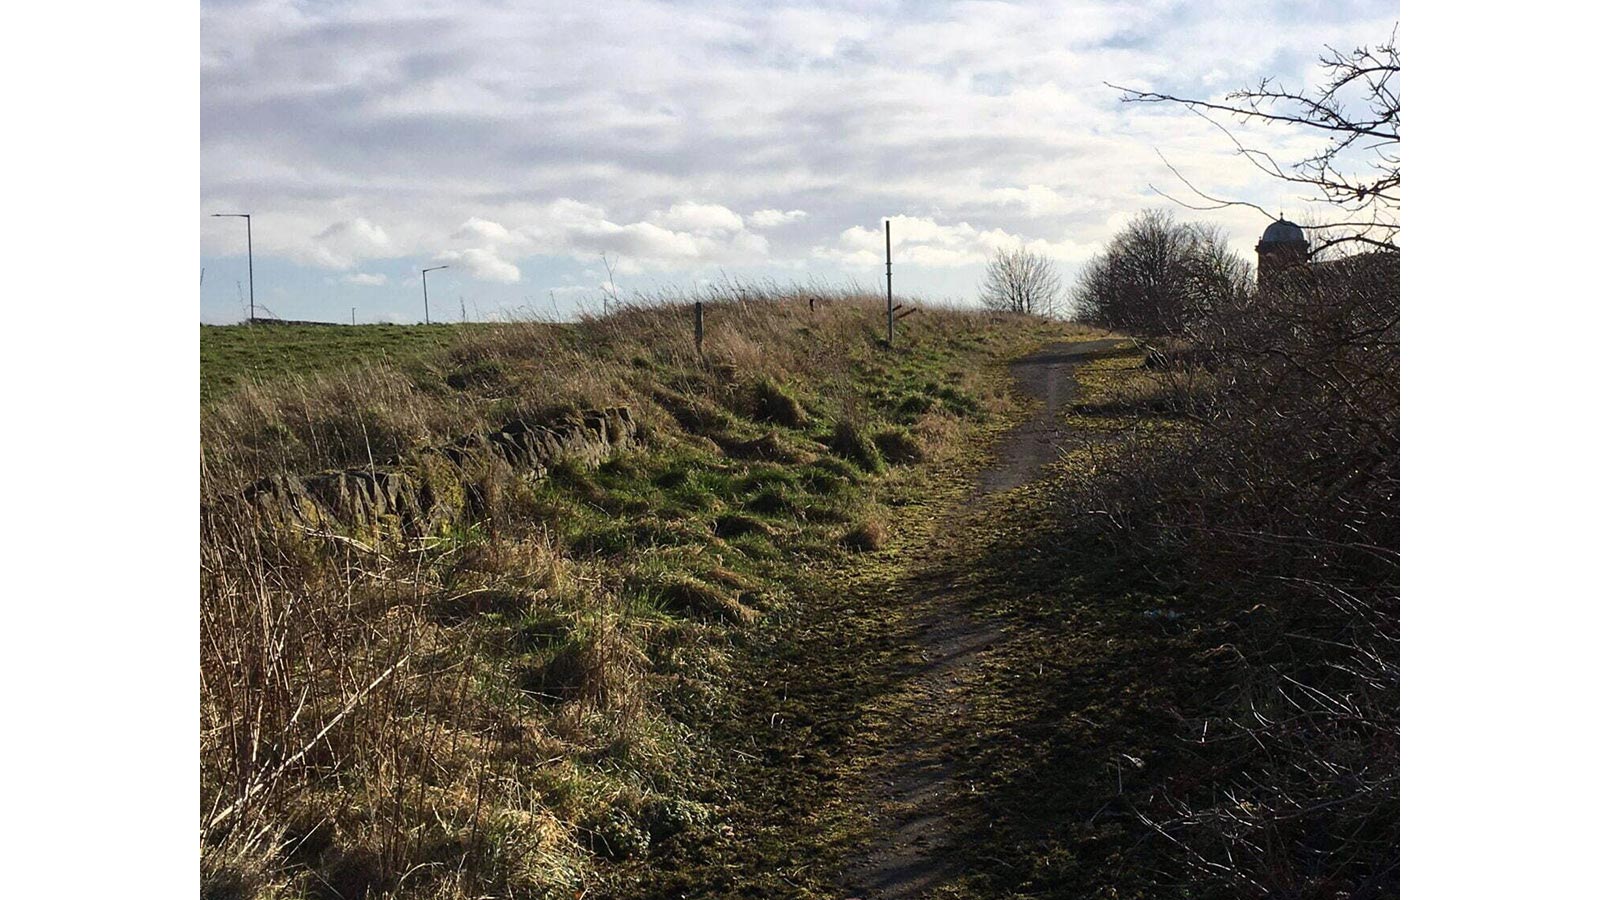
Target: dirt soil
921 788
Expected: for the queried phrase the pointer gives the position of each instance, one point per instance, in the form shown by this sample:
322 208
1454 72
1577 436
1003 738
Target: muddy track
919 793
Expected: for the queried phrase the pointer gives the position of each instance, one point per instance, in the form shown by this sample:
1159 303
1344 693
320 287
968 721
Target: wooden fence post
888 283
699 327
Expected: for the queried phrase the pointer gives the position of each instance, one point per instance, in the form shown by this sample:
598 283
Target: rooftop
1283 231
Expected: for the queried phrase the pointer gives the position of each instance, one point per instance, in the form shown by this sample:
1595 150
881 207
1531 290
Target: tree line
1156 276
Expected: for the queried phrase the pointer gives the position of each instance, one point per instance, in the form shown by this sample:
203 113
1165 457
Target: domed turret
1283 231
1283 246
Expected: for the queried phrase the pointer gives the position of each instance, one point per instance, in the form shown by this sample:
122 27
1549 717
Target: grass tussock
775 404
503 703
852 442
866 536
898 446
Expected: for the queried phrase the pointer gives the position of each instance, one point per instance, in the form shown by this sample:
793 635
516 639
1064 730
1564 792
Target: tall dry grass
468 713
533 369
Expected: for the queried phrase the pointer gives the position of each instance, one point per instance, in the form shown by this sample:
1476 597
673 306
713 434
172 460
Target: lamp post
250 254
425 291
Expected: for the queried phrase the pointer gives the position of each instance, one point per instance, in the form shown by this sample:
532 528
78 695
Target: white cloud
507 136
687 234
923 241
699 218
476 229
772 218
1038 201
640 240
367 279
483 248
346 243
484 264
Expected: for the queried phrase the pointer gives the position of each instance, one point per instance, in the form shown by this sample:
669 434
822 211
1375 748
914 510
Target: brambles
1275 503
1275 500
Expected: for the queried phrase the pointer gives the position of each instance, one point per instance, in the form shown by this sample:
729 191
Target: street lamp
249 246
425 291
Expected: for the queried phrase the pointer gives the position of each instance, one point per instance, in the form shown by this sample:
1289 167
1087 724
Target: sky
549 152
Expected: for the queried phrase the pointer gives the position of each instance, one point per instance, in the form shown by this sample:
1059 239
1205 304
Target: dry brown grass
866 536
472 712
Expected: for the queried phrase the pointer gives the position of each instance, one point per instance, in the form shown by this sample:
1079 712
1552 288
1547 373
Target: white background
98 651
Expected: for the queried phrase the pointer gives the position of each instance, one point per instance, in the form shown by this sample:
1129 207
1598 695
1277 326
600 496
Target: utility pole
250 254
352 315
888 283
425 291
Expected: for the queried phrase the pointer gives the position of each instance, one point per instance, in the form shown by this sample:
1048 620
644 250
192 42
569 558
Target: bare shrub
1277 504
1281 497
1021 281
1157 276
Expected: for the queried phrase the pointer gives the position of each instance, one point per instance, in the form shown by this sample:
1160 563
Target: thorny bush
1274 503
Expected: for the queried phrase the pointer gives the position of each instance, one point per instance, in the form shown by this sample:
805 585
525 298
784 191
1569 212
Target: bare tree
1021 281
1357 108
1158 275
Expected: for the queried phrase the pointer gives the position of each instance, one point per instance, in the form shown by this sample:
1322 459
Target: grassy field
673 671
528 701
232 356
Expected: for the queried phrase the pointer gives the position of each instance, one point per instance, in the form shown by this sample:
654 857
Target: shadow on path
920 778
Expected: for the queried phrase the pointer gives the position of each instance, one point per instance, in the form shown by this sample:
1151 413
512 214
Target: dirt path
917 780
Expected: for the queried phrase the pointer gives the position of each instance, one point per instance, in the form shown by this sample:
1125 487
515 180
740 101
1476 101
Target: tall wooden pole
888 282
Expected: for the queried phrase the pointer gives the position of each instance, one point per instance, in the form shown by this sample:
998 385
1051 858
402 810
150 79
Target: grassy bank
544 698
1132 713
1069 721
233 356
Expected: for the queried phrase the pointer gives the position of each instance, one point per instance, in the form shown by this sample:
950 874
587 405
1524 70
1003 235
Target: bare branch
1357 107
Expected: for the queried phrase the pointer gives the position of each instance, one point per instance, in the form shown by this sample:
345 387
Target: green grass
235 355
583 635
1072 690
